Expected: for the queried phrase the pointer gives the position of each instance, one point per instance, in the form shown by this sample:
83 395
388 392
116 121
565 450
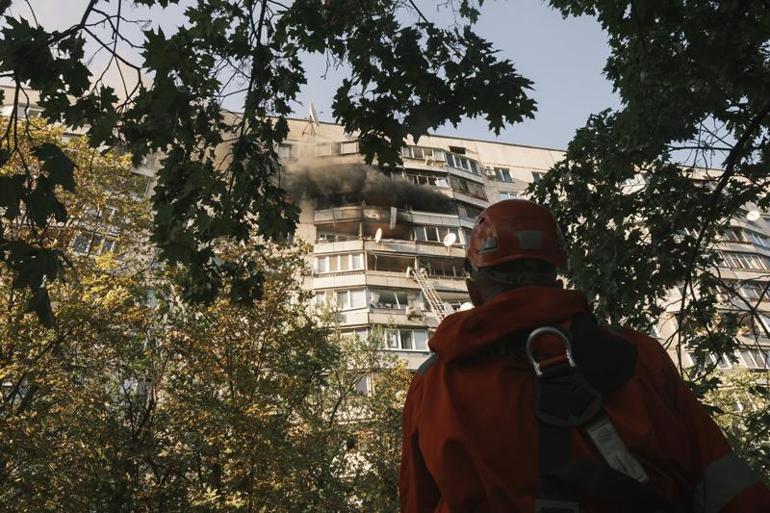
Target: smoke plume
356 183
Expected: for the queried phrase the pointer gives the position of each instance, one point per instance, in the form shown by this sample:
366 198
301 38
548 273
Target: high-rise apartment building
388 247
371 232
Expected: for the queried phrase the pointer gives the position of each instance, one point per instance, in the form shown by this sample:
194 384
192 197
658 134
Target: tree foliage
691 88
215 182
133 399
646 191
741 410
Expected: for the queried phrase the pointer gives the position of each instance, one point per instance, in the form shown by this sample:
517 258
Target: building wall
382 271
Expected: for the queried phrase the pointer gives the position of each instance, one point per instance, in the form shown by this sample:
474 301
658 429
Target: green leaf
40 304
12 192
59 166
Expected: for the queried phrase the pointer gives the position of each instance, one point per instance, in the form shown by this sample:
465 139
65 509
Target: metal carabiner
541 331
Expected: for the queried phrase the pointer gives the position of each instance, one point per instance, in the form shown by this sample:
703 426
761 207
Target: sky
564 59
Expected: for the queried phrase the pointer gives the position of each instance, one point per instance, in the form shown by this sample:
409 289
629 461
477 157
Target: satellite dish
378 235
313 114
409 272
450 239
466 306
753 215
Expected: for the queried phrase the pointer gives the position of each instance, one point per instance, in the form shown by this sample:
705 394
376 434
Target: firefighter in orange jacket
527 405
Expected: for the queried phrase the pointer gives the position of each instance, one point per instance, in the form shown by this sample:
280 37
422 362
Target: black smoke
356 183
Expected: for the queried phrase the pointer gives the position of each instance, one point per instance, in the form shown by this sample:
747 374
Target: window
746 261
426 178
434 233
734 235
339 263
422 152
110 246
420 340
537 176
759 240
444 267
755 358
388 263
342 299
503 174
468 212
722 361
754 290
362 387
504 195
361 334
461 162
764 319
334 237
467 187
407 340
348 147
81 243
286 151
390 299
326 149
22 111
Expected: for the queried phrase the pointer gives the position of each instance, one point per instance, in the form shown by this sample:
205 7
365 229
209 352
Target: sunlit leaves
138 397
691 77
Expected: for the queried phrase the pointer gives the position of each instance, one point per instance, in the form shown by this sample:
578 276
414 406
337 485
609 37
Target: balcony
337 247
353 213
466 198
429 218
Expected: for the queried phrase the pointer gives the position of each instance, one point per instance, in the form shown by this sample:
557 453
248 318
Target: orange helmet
515 229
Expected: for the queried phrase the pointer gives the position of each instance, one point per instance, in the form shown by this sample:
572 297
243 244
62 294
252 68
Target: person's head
514 243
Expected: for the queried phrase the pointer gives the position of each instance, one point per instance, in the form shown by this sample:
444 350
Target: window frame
339 266
501 172
394 340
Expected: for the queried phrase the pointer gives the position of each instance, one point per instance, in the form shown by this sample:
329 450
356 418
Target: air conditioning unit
490 171
429 161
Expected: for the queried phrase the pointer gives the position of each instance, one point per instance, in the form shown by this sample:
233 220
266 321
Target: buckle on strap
553 361
556 506
563 398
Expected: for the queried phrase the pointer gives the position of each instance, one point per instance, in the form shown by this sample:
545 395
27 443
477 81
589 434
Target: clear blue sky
564 59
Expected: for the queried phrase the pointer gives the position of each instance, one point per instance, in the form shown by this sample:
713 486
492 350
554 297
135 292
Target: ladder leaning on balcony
434 301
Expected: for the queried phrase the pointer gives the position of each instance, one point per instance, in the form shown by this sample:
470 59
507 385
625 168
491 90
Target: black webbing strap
564 401
556 496
607 484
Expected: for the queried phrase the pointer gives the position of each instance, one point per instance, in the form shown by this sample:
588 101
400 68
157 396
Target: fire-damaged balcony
391 230
389 270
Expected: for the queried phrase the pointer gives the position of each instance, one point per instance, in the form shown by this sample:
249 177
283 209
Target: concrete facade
372 288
